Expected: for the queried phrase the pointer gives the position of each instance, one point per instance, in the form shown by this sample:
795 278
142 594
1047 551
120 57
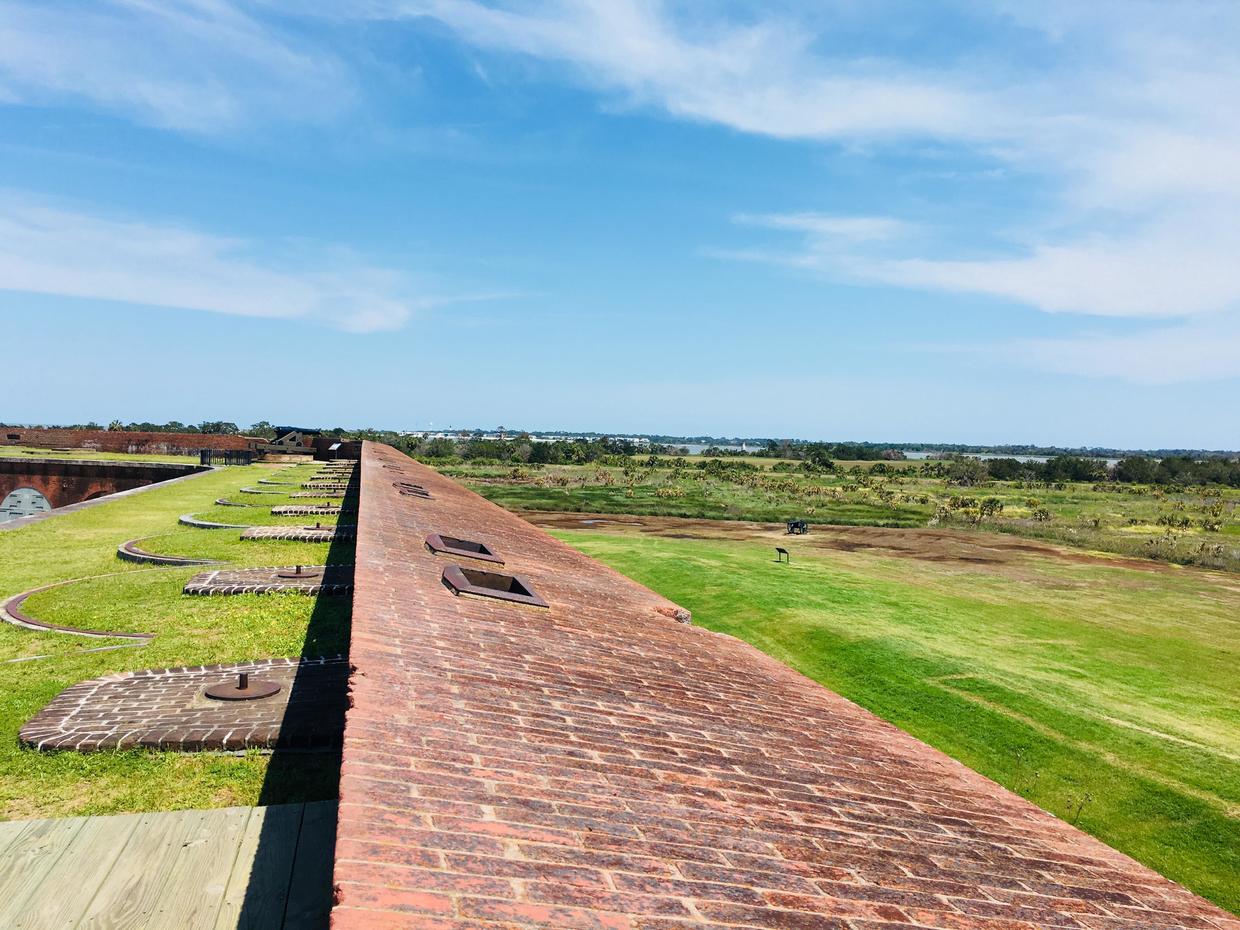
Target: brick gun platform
302 533
164 708
327 580
596 765
293 510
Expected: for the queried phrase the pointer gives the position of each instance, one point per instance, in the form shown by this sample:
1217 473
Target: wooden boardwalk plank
9 831
258 887
310 891
195 885
135 887
67 890
219 869
29 858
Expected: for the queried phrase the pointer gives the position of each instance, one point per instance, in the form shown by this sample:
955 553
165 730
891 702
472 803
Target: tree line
1171 470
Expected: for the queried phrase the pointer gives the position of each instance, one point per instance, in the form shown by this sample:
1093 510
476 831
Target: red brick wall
349 448
64 483
120 440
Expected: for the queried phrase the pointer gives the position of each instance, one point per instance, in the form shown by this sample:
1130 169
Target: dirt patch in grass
928 545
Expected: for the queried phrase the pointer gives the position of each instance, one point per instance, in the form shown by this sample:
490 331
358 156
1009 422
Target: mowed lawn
90 455
1106 694
122 596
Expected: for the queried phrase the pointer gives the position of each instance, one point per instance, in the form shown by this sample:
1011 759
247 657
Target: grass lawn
89 455
189 631
1107 695
707 500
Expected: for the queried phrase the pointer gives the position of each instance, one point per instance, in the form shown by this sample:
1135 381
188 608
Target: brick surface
293 510
67 481
597 764
164 708
302 533
326 580
122 440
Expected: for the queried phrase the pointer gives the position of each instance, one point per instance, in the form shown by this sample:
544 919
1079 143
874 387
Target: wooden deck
252 867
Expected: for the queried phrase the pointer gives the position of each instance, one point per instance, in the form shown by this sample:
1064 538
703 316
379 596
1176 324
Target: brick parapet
126 441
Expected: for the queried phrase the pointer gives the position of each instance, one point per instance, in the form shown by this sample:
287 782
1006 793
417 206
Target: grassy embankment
1107 695
189 631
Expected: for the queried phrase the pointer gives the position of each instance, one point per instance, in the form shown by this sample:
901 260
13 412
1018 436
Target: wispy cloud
197 65
1135 128
48 249
828 227
1126 111
758 75
1181 265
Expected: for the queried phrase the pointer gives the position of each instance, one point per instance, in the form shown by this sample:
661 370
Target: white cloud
828 227
197 65
1128 111
1134 115
1179 265
759 77
50 250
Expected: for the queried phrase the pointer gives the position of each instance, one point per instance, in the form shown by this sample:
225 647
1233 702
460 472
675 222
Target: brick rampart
596 765
121 440
64 481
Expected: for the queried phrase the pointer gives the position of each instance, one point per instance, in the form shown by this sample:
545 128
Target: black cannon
797 527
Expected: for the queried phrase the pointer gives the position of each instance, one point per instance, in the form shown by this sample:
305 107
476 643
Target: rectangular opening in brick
451 545
408 489
491 584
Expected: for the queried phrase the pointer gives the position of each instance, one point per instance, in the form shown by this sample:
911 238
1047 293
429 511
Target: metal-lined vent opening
409 489
479 583
450 545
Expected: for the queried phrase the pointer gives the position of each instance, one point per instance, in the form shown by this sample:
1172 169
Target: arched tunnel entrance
32 486
22 502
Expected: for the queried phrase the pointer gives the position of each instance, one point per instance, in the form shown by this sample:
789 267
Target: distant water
696 448
925 454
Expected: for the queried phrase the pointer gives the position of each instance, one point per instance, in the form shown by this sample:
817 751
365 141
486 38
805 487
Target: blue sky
885 221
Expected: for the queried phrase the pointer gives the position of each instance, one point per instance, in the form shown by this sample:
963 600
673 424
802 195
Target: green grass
1120 519
89 455
703 501
1079 686
189 631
